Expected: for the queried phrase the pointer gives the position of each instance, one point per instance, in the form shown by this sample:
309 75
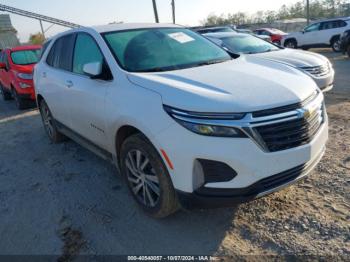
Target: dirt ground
62 200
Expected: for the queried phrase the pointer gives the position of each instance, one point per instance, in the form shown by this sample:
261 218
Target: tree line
318 9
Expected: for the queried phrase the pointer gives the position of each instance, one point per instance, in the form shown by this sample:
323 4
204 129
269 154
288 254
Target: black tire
155 205
5 95
49 124
348 50
336 44
20 102
291 43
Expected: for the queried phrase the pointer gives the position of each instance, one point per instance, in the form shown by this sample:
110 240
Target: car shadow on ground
51 189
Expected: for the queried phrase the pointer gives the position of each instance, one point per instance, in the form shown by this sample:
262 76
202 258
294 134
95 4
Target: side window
312 28
45 46
341 23
85 51
61 53
1 57
265 33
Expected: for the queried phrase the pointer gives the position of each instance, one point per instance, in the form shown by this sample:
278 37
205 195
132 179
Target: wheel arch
39 98
333 38
290 39
122 134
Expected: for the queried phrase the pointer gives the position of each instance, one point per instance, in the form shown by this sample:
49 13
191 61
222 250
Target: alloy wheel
336 45
142 178
47 119
290 44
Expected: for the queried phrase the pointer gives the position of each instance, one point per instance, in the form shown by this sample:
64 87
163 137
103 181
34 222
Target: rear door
53 75
86 96
311 35
330 29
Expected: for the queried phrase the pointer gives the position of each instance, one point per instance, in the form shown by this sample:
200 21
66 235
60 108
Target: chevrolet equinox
186 123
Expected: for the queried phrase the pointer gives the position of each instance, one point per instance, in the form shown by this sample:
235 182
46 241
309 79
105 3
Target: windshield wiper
157 69
211 62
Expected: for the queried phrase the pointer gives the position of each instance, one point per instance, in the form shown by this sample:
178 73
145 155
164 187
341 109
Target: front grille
317 71
292 133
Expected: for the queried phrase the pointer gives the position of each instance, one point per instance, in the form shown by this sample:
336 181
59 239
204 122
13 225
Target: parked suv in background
319 34
16 74
317 66
345 42
185 122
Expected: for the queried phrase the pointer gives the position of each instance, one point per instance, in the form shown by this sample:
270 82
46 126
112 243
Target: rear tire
335 44
5 95
147 177
20 102
291 43
49 124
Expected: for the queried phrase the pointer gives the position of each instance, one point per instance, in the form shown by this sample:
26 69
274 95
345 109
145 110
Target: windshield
162 49
247 44
25 57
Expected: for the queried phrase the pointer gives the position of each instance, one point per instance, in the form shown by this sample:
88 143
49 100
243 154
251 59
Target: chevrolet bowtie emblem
305 113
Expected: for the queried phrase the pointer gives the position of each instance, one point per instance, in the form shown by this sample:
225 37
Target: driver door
311 35
86 96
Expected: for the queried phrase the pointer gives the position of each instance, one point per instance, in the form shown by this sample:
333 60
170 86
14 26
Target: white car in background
317 66
184 121
319 34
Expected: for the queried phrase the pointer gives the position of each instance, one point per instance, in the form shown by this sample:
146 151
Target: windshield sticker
181 37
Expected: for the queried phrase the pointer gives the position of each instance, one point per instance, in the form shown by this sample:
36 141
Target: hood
296 58
28 69
245 84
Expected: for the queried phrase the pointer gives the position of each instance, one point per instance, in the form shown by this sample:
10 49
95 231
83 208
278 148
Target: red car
275 34
16 74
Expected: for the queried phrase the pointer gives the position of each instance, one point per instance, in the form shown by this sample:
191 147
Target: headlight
207 124
25 76
24 85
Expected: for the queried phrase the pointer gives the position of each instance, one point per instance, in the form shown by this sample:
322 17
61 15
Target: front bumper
25 93
252 165
216 198
325 83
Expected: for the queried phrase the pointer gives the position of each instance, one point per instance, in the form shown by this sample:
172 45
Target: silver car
317 66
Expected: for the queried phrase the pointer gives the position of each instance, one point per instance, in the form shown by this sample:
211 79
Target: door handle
44 74
69 84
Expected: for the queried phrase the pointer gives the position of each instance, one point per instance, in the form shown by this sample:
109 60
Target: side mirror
2 66
94 70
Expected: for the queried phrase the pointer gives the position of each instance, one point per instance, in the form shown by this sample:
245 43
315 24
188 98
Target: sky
92 12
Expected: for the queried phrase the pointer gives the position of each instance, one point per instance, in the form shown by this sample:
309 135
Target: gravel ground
62 200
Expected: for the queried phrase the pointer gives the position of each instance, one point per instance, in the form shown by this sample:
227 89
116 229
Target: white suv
319 34
184 121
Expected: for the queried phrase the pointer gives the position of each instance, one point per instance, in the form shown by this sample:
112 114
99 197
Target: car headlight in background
207 124
25 76
24 85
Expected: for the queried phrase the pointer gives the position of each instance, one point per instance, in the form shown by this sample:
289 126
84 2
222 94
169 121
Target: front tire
147 177
336 44
291 43
49 124
5 95
20 102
